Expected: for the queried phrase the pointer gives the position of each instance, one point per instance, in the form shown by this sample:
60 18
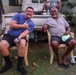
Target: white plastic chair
14 48
61 46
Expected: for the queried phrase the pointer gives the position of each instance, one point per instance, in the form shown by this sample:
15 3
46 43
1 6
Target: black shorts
59 40
10 39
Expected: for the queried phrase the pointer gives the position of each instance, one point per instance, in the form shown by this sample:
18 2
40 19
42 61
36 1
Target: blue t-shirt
20 18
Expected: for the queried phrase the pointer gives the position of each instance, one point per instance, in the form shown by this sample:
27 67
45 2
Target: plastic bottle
44 12
48 12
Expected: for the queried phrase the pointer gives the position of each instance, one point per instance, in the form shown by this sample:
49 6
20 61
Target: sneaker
21 70
5 68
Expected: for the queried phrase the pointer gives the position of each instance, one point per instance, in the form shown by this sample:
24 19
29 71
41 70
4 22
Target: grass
39 54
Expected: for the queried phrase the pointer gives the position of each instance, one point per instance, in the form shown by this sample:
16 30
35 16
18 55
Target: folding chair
60 46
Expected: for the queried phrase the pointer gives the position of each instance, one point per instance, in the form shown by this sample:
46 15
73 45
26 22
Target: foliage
70 4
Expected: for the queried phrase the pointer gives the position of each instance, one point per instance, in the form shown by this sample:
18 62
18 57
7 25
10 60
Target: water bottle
44 12
16 40
48 13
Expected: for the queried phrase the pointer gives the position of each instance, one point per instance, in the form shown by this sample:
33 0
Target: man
58 28
48 4
20 26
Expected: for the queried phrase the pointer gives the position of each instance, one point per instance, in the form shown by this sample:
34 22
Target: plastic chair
14 48
61 46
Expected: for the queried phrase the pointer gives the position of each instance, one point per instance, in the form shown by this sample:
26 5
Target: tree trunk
1 6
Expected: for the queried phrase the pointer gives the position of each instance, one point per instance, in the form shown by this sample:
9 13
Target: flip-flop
66 65
60 65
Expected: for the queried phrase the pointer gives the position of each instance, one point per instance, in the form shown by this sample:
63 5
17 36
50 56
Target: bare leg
55 49
4 48
69 49
21 48
21 52
5 53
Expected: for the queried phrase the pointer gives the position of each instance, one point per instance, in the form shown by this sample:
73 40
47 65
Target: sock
20 60
7 60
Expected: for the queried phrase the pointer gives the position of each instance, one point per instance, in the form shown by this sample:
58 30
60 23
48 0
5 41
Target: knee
54 43
22 46
73 42
3 46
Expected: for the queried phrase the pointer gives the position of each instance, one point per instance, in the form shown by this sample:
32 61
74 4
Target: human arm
23 34
28 30
46 25
67 30
59 5
14 25
44 6
45 28
67 26
15 22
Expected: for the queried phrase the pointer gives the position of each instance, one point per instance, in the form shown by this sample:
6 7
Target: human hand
25 25
45 27
46 2
66 33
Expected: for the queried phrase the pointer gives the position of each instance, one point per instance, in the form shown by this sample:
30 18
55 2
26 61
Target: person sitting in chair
59 30
20 26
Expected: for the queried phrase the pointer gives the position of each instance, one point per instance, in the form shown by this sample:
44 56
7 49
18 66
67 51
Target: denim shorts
59 40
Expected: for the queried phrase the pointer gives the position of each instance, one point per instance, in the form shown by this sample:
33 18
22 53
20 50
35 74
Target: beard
54 16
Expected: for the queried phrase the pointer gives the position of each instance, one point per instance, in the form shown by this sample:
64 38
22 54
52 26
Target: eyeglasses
29 11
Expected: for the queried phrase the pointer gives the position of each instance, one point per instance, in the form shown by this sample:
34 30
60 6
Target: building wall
9 9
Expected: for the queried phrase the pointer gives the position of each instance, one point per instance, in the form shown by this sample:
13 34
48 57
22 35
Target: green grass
41 56
73 29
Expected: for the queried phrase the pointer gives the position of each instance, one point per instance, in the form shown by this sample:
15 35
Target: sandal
60 65
66 65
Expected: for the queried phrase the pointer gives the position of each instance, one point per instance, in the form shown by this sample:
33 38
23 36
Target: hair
53 8
30 8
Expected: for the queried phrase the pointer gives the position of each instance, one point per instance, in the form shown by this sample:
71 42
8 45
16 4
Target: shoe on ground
5 68
22 70
60 65
66 65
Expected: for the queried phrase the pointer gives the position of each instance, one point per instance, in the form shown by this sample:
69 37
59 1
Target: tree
1 6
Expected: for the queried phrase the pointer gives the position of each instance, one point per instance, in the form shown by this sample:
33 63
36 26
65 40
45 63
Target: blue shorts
59 40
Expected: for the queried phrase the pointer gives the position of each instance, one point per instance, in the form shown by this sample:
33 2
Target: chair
14 48
61 46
